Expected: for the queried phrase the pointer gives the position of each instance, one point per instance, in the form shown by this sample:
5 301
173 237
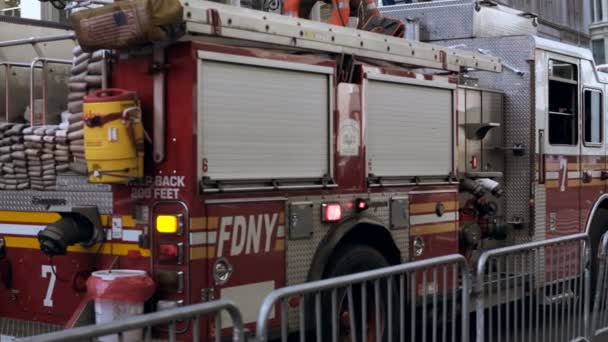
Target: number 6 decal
47 270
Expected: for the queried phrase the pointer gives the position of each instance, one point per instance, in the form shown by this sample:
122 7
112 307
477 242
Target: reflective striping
200 238
420 208
557 167
129 235
280 231
28 217
204 223
213 222
434 229
20 229
198 223
574 183
279 245
48 218
442 191
433 218
552 175
202 252
107 248
571 174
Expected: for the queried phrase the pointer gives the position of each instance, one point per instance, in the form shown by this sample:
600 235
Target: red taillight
332 212
169 250
362 204
170 253
474 162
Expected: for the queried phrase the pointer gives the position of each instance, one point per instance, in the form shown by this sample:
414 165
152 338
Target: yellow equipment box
113 136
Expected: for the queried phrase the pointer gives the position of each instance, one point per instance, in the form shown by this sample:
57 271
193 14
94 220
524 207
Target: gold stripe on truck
202 252
110 248
43 218
437 228
425 208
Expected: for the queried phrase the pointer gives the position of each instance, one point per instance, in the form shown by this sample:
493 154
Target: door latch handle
587 177
604 175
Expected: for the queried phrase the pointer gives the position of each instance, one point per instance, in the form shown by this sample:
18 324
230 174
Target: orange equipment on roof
369 16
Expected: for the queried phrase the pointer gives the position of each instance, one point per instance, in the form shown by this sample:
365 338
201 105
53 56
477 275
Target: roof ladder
215 19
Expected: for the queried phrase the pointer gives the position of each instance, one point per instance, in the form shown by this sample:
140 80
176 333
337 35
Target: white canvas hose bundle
87 76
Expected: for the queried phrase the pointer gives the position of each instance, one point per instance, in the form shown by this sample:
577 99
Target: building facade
32 9
599 30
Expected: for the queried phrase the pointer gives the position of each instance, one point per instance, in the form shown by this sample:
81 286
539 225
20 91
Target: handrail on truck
7 69
33 66
36 40
33 41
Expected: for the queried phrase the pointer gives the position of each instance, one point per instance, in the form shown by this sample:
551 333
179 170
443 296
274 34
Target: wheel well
362 231
597 214
374 236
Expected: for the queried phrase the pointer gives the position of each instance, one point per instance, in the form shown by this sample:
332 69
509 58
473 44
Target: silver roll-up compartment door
409 127
261 119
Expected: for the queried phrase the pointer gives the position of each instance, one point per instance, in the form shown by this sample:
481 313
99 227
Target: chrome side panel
519 102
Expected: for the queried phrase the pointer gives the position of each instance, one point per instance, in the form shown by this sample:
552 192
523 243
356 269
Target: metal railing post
374 278
171 316
587 265
560 277
43 62
600 304
36 40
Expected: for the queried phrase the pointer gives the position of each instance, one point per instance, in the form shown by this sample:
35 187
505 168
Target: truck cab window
593 117
563 104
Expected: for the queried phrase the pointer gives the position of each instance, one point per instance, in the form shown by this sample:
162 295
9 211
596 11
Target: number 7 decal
563 165
47 270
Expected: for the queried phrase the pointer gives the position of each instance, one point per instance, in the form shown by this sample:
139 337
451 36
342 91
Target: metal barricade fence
171 317
410 301
534 292
599 322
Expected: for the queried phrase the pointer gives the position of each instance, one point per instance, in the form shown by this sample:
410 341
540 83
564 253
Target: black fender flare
603 199
336 235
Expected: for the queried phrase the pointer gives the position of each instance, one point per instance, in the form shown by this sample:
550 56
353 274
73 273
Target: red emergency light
332 212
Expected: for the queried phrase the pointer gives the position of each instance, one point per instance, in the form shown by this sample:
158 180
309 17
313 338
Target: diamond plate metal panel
452 20
458 19
72 191
540 212
516 51
79 183
32 200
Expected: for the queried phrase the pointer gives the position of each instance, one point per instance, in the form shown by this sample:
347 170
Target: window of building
599 10
592 6
593 117
599 51
10 8
563 104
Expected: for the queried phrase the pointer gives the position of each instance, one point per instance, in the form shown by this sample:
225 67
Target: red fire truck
284 150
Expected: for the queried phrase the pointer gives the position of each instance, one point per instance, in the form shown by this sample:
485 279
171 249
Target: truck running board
215 19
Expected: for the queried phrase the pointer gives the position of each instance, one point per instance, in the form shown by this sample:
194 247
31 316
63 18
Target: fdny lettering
158 187
247 234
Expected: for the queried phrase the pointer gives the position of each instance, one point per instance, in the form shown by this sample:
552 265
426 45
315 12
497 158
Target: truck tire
598 228
351 259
